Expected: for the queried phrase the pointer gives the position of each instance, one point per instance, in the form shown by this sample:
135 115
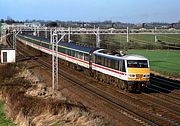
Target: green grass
4 121
166 61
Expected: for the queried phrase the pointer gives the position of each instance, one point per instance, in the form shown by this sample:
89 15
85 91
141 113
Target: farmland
136 41
169 40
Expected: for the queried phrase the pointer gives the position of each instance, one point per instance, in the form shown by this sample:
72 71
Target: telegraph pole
97 38
127 34
69 34
155 36
14 39
54 42
54 62
46 34
15 33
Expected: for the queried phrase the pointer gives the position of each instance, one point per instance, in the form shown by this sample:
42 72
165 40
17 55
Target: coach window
65 50
76 54
68 52
80 55
86 57
73 53
46 45
62 50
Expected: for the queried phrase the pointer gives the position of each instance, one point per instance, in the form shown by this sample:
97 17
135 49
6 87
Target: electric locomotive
133 71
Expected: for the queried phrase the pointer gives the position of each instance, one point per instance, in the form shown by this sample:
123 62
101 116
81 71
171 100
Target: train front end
138 72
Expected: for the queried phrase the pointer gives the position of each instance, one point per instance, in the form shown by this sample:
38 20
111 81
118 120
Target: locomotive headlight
132 75
146 75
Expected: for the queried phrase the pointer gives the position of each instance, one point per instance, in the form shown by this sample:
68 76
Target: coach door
90 61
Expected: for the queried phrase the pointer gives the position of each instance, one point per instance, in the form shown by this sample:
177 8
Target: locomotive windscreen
137 63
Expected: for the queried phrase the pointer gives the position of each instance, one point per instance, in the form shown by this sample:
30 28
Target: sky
129 11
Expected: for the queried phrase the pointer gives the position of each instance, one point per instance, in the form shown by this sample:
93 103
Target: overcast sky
132 11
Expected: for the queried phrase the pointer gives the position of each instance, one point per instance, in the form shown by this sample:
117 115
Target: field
165 61
171 41
136 41
4 121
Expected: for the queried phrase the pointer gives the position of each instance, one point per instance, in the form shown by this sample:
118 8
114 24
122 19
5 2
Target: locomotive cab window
137 64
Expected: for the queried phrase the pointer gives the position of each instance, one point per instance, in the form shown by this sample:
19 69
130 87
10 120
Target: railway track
93 90
166 84
125 103
165 90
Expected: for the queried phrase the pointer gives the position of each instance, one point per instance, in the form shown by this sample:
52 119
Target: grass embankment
164 61
29 101
4 121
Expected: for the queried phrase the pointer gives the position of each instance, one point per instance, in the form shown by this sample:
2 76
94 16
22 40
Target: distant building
33 24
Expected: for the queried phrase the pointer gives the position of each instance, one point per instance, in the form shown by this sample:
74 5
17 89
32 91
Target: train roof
118 56
134 57
76 47
65 44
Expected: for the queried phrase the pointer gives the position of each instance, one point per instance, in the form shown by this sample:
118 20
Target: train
128 72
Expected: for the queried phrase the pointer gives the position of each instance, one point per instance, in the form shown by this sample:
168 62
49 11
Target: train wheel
138 87
126 88
123 85
143 88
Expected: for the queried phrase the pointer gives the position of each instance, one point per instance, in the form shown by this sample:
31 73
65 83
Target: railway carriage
129 72
67 51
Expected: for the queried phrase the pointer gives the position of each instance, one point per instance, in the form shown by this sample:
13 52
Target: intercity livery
126 71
